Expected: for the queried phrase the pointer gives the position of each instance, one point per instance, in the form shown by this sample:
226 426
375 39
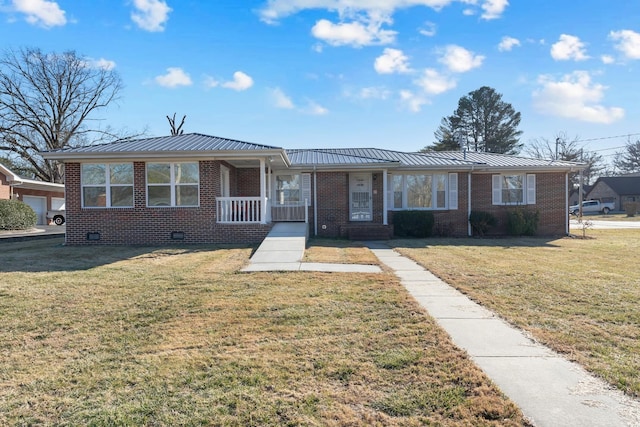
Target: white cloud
412 101
374 93
429 29
628 42
277 9
241 81
568 47
607 59
41 12
392 61
281 100
104 64
150 15
315 109
574 96
459 59
434 83
507 43
175 77
493 9
356 33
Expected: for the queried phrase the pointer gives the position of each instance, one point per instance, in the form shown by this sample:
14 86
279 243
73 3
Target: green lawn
109 336
579 296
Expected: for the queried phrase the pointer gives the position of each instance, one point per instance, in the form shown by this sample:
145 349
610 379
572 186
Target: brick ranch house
41 196
196 188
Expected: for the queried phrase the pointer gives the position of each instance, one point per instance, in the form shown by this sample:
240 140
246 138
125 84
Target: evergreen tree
482 121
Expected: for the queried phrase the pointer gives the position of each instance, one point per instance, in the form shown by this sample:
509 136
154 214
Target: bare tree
172 122
628 161
48 102
564 148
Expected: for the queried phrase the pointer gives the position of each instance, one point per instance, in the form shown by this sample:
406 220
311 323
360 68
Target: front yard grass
176 336
580 297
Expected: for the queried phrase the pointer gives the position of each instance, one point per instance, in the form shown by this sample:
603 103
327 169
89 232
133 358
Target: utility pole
580 186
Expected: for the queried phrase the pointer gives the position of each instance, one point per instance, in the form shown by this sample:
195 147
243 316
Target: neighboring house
41 196
616 189
203 189
574 194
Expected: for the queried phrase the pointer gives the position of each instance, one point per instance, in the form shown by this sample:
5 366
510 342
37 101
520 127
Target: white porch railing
238 210
291 212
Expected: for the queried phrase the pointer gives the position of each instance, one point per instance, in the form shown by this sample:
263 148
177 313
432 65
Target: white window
516 189
172 184
423 191
292 189
107 185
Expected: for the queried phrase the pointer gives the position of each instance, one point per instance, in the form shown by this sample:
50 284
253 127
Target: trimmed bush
522 222
413 223
16 215
631 208
481 222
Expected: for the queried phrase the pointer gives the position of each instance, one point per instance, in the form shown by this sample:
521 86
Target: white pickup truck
57 216
591 206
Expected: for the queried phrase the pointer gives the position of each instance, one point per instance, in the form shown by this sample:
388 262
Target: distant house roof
17 181
196 145
622 185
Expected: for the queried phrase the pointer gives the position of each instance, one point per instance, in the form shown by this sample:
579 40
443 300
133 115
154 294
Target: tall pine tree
482 122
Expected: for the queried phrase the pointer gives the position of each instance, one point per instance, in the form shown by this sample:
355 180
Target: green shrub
413 223
481 222
522 222
631 208
15 215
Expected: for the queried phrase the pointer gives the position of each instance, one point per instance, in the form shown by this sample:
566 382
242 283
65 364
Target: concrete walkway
550 390
283 249
38 232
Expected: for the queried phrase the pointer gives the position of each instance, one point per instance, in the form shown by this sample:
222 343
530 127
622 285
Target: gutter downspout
263 192
469 231
385 219
566 202
315 201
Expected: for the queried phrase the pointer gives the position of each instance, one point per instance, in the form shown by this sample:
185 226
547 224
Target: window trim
107 185
528 189
450 181
304 188
172 184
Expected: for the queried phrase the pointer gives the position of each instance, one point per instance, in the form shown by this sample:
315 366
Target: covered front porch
252 193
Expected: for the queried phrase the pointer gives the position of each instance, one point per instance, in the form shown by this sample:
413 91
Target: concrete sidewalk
550 390
283 250
38 232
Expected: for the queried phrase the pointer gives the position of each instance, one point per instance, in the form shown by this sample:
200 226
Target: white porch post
385 205
263 193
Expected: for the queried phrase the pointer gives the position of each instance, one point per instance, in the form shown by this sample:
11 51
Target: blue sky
357 73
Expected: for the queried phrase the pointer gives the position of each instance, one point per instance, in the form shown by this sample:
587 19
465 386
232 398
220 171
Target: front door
360 203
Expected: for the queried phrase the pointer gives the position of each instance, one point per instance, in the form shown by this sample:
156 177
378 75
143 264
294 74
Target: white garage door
39 206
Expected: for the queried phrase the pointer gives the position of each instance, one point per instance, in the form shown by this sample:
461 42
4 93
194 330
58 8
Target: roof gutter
143 155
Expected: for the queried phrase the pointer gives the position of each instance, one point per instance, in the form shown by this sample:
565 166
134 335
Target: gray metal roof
198 145
193 142
504 160
368 156
336 157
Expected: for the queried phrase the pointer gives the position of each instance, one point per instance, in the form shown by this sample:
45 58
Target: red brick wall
333 202
248 182
153 226
550 202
